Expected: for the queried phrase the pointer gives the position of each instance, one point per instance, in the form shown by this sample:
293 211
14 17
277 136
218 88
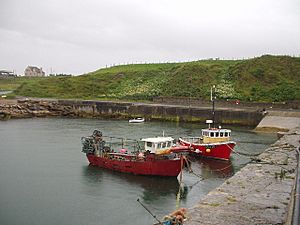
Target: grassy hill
267 78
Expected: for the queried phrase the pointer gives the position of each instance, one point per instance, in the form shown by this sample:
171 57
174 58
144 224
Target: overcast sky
79 36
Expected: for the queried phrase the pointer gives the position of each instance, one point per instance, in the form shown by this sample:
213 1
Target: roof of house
33 68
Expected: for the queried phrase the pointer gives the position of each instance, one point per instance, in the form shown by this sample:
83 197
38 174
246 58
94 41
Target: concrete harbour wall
260 193
125 110
162 112
232 103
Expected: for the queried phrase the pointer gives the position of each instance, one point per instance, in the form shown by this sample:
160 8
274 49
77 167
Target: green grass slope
267 78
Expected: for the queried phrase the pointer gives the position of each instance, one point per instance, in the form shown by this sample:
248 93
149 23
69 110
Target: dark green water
46 180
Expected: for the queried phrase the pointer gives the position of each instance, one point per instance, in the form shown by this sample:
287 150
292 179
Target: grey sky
79 36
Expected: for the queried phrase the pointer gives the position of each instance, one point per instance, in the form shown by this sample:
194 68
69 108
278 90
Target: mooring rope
180 182
242 153
190 169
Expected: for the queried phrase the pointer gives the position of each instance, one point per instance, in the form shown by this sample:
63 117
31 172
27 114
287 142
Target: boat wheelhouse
158 145
213 135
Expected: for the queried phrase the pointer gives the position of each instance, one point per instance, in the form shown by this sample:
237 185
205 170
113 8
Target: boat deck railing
118 143
192 139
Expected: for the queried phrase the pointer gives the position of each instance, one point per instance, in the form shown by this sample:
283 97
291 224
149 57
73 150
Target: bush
258 73
283 92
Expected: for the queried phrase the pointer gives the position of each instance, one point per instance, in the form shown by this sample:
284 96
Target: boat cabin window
163 145
149 144
158 145
216 133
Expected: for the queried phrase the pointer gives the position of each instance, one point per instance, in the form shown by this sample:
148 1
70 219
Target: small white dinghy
137 120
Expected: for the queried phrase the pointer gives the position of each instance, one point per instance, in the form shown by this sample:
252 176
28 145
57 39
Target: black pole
213 113
213 104
149 211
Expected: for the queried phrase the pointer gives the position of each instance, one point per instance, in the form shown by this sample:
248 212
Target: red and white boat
158 156
213 143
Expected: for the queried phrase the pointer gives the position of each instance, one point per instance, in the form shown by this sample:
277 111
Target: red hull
147 166
212 150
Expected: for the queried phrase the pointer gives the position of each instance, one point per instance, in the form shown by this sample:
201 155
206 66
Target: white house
33 71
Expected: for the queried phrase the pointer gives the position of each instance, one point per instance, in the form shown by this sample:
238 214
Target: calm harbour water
45 179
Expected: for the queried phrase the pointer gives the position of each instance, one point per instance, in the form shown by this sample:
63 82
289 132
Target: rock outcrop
34 108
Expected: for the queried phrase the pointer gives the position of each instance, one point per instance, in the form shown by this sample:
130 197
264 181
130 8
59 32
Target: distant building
7 73
59 75
33 71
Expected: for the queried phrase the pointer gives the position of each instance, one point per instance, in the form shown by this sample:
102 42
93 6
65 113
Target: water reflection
153 187
92 175
209 168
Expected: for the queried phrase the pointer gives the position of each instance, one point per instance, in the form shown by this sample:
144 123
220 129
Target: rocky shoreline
12 109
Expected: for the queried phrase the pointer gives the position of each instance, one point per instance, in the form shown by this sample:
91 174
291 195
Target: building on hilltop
33 71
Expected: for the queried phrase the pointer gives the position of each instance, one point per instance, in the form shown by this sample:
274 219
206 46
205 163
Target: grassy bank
267 78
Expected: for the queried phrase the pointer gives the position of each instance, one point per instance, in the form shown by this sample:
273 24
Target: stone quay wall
125 110
262 192
232 103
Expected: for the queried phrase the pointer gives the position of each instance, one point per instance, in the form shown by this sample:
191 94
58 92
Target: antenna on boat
212 99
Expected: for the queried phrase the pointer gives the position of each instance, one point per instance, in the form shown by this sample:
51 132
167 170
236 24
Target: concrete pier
260 193
279 121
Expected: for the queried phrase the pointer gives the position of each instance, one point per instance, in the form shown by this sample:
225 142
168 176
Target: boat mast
212 98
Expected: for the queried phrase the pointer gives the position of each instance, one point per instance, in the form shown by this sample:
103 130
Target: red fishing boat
213 142
151 156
